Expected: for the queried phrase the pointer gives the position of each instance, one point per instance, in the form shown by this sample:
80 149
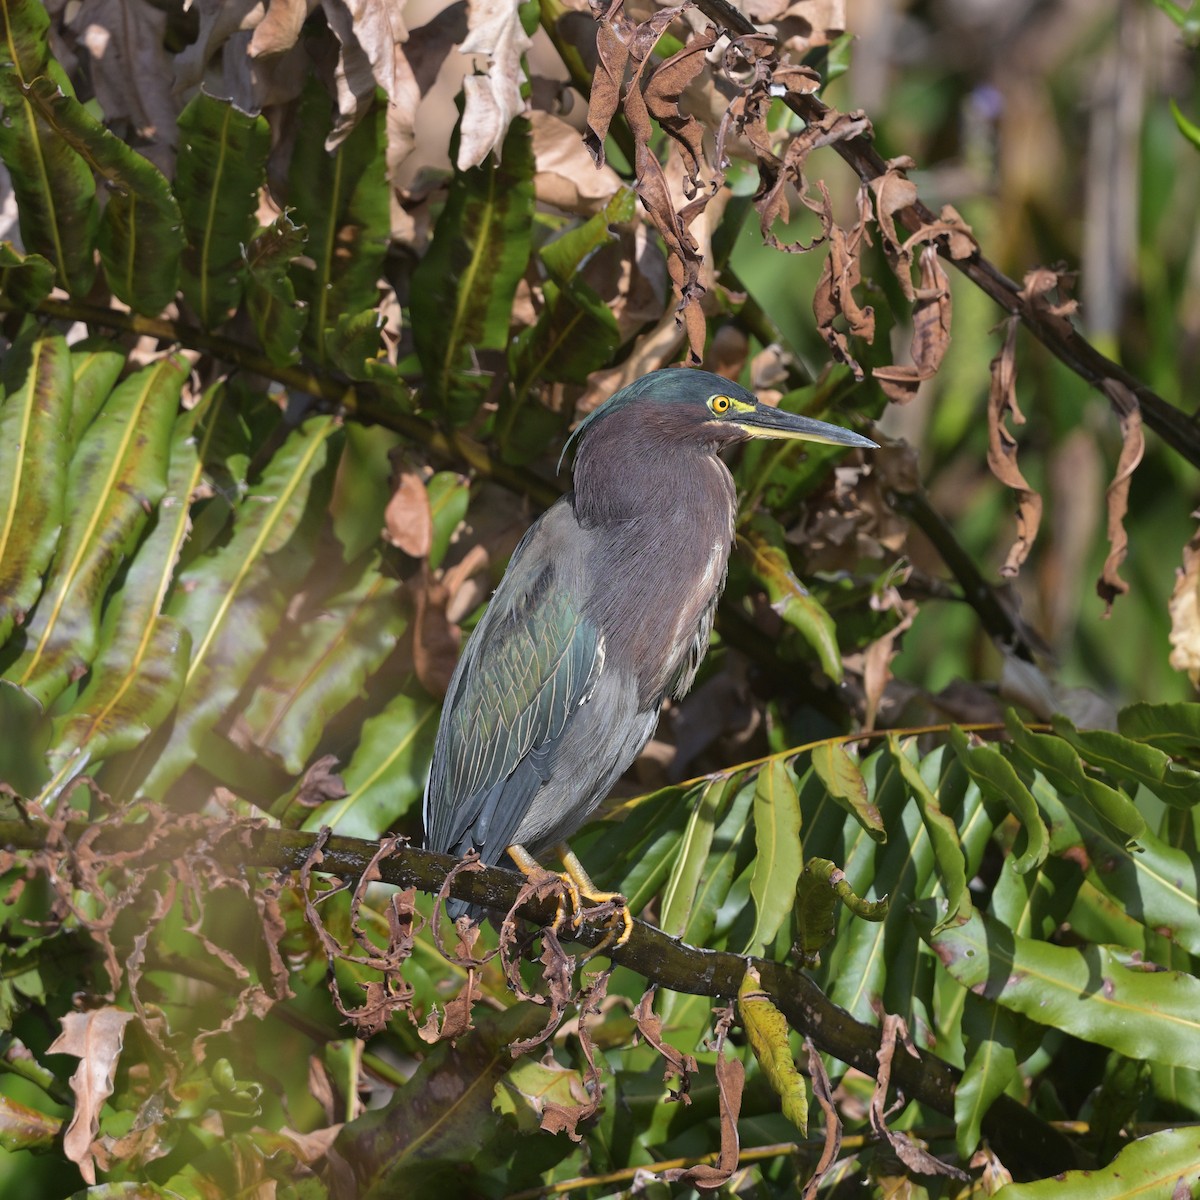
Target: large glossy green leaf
1172 728
1152 882
943 836
55 190
96 365
342 198
1084 991
140 232
463 288
731 846
990 1032
1058 760
1160 1164
320 664
117 477
779 857
221 165
230 601
680 892
143 655
847 786
279 318
996 778
385 778
34 452
1135 763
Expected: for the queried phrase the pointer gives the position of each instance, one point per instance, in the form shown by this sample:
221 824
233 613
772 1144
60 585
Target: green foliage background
200 622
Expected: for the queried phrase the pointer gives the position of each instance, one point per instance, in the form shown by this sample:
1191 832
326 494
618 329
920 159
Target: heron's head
676 409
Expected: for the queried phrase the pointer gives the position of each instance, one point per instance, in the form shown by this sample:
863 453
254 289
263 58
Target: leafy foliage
244 524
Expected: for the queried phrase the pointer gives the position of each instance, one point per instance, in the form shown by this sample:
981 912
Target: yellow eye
720 404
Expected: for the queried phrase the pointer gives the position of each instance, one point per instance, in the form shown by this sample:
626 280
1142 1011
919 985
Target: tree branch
1019 1135
1176 428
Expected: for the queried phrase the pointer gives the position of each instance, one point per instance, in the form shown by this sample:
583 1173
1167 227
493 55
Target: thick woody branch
664 961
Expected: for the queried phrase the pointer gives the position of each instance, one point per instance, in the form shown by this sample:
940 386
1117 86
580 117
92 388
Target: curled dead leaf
931 332
1002 449
96 1038
1184 608
1110 585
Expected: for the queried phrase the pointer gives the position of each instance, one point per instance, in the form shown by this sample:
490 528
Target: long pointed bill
767 422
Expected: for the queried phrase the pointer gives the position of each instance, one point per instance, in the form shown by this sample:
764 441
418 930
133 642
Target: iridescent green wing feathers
528 667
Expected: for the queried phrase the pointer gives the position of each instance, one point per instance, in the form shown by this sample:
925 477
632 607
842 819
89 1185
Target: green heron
605 610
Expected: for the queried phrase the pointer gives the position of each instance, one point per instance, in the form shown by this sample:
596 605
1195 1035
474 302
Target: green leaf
221 166
729 849
1172 728
140 232
997 779
96 365
231 599
789 597
462 290
779 857
354 342
1134 763
34 452
55 190
680 892
362 488
845 784
1084 991
1060 764
1156 1165
279 318
25 279
1189 129
767 1030
385 777
342 198
943 836
24 1128
449 497
1152 882
821 891
991 1036
117 477
143 655
441 1116
320 666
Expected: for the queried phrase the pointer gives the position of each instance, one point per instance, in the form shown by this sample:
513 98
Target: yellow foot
578 887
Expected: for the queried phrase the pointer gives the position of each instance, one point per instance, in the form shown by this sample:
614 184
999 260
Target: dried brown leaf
492 100
614 36
280 27
833 1123
662 95
320 784
931 332
1110 585
1184 608
435 639
566 176
731 1077
682 1066
96 1038
905 1147
1002 449
1044 293
407 522
560 1118
841 274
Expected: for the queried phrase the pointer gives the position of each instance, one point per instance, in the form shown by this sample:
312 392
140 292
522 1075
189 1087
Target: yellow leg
588 890
529 866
